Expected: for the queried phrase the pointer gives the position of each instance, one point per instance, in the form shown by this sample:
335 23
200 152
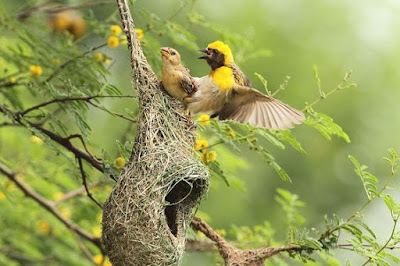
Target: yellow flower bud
107 61
139 33
119 162
98 57
58 195
98 259
43 226
66 213
115 29
203 120
107 263
221 232
2 195
36 140
96 231
12 80
201 145
208 157
36 70
113 42
123 40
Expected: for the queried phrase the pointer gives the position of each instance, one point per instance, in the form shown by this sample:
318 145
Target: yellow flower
66 213
96 231
36 140
119 162
10 186
98 57
2 195
70 21
200 234
139 33
208 157
108 188
115 30
211 156
60 21
221 232
12 80
113 42
204 120
107 263
123 40
107 61
36 70
58 195
99 217
98 259
43 226
201 145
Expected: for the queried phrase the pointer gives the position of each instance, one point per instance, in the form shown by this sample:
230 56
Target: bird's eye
215 51
173 53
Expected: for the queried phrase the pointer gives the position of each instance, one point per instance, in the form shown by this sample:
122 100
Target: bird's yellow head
170 56
217 54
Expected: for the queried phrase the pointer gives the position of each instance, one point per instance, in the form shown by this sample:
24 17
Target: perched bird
225 93
176 78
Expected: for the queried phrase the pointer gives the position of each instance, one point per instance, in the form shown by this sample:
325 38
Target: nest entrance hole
183 196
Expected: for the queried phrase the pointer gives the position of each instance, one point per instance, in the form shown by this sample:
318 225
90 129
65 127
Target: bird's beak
204 50
164 51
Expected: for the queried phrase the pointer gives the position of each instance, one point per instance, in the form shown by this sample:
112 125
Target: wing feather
248 105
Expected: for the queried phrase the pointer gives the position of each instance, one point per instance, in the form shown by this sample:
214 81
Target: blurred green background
337 36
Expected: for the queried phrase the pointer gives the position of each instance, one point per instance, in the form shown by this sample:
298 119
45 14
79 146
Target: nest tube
147 213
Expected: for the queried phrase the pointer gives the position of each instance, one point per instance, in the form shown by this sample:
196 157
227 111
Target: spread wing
248 105
239 76
187 82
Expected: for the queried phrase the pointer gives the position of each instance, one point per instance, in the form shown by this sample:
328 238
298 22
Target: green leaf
287 136
326 126
370 182
264 133
391 204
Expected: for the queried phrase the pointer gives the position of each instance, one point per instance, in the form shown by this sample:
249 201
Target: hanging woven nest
147 213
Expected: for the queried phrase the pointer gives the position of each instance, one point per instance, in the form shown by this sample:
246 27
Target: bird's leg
188 116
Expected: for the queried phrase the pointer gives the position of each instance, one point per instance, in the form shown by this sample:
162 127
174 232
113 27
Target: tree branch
77 192
65 142
68 99
49 206
235 256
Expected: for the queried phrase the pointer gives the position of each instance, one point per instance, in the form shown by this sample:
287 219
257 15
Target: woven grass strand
147 213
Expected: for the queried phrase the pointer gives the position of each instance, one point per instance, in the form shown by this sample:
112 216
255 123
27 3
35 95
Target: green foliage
75 90
291 205
369 181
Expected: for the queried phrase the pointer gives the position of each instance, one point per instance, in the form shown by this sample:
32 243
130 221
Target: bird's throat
223 77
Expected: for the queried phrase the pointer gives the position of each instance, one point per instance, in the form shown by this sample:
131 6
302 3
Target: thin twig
77 192
65 64
387 242
68 99
114 113
84 182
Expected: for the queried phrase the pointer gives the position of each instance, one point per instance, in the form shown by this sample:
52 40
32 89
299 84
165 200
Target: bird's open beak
164 52
207 54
